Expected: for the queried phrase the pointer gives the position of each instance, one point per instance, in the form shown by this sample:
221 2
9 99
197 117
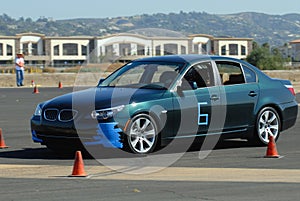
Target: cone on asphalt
2 143
272 150
35 90
60 85
78 167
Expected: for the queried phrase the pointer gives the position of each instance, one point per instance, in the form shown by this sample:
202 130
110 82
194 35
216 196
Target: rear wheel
267 123
142 134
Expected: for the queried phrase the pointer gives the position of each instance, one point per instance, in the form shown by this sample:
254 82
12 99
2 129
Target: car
149 102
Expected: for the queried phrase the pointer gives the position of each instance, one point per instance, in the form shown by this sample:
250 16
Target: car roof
188 58
175 58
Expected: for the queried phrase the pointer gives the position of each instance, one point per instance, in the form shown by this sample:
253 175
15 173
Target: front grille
51 114
65 115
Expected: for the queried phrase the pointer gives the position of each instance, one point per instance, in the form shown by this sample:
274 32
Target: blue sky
59 9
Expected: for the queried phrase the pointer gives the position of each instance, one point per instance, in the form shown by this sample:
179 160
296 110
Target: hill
273 29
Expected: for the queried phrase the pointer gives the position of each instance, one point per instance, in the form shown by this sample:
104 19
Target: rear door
240 91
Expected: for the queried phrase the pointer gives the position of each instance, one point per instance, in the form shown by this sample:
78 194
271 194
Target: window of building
157 50
243 50
183 49
170 49
196 48
233 49
83 50
56 50
26 48
9 50
70 49
125 49
223 50
34 49
109 50
1 49
140 50
204 48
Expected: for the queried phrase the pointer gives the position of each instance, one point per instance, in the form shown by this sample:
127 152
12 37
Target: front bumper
107 134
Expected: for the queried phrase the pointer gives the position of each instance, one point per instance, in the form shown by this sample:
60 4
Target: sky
59 9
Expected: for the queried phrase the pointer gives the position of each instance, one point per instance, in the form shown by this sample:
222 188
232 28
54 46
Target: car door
240 91
197 98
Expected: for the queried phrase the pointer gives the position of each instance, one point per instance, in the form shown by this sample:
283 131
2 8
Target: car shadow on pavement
105 153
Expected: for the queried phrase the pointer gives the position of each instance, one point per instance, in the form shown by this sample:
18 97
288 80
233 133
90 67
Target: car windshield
154 75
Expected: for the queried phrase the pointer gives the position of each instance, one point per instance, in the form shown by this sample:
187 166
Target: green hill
273 29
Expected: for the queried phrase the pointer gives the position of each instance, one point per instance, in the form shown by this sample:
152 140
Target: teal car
150 102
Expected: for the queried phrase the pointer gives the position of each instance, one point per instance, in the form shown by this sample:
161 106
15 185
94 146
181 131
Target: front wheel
142 134
267 124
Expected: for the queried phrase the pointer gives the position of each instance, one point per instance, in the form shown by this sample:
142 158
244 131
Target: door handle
214 98
252 93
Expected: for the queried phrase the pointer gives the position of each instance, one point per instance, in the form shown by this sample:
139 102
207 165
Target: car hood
103 97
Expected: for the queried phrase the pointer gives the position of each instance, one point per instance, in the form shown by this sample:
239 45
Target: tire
267 123
142 134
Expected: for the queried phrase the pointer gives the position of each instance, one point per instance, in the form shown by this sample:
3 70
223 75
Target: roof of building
295 41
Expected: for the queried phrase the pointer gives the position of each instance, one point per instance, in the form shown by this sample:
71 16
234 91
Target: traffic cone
35 90
78 167
60 85
2 143
272 150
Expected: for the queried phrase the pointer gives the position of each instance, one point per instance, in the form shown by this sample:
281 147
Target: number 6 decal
202 118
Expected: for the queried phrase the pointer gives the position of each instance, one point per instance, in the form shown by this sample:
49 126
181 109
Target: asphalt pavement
233 170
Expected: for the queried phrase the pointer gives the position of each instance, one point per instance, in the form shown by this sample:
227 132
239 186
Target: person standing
20 69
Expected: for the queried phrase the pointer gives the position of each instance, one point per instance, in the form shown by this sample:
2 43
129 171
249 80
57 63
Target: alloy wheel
268 124
142 134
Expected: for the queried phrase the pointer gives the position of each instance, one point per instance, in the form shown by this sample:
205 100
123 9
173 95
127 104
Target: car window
249 75
144 75
198 76
230 72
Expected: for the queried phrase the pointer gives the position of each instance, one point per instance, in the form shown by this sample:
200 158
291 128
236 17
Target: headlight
106 113
38 110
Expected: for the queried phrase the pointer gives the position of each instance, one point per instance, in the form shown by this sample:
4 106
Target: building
41 50
295 50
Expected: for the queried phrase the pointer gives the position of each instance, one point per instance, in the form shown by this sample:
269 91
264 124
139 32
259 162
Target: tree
264 58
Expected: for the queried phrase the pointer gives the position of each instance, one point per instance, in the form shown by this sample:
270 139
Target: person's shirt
20 63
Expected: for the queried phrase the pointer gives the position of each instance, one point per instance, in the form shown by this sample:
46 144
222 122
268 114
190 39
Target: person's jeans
20 77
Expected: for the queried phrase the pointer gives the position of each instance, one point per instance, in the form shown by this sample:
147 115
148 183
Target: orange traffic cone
60 85
2 143
272 150
78 167
35 90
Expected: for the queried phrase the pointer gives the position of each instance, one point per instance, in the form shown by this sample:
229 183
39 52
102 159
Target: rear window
230 73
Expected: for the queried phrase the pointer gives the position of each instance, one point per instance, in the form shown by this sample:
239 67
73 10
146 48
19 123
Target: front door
197 102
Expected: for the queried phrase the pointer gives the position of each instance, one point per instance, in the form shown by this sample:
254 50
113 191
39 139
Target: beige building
295 50
78 50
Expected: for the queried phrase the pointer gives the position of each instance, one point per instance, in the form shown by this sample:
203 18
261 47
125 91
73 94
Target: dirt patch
53 79
91 79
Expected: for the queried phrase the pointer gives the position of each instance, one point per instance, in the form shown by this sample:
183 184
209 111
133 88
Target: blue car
149 102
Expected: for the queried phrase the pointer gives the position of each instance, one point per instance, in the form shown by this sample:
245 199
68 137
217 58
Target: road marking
167 174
